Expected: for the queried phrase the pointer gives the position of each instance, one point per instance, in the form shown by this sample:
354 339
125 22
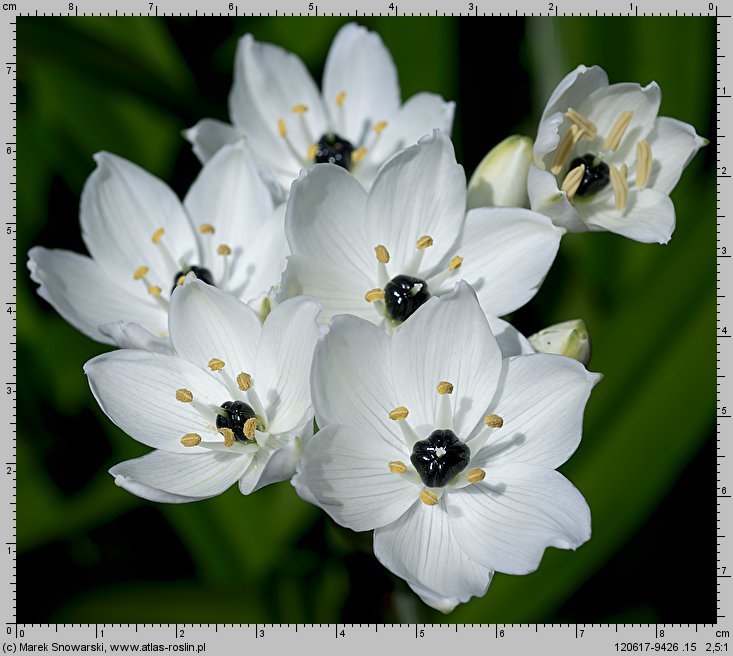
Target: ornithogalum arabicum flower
445 449
569 338
230 404
604 160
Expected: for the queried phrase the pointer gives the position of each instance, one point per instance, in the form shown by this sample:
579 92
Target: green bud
569 338
500 180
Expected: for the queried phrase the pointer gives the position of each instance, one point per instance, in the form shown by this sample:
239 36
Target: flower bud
501 177
569 338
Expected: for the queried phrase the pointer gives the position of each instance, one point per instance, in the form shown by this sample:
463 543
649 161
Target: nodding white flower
381 255
356 122
569 338
444 449
604 160
143 241
228 405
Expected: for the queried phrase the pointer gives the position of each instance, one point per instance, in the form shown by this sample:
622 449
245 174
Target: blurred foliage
88 551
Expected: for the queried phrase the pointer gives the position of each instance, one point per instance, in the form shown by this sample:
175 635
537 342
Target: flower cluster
325 306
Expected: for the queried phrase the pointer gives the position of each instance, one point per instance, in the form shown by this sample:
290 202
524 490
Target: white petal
137 391
507 252
121 207
325 219
447 339
545 197
340 290
268 83
230 195
351 382
207 323
420 191
271 466
345 468
179 477
420 548
282 369
674 144
510 340
506 521
134 336
87 297
209 135
649 216
541 399
360 66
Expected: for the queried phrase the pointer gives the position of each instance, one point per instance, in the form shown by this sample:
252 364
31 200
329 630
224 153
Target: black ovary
400 299
238 413
595 177
435 470
333 149
203 274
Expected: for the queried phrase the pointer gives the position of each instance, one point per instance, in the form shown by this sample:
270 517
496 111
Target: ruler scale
365 638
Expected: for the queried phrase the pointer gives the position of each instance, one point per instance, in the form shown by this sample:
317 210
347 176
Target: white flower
380 255
357 121
605 161
142 240
229 404
501 177
569 338
481 494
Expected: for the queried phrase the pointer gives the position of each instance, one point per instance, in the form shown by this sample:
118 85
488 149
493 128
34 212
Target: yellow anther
154 290
228 435
191 439
624 170
379 127
249 428
429 498
620 188
244 381
493 421
444 387
397 467
140 272
618 130
300 108
475 475
643 162
398 413
587 126
382 254
206 229
358 155
312 150
340 97
180 281
281 128
426 241
224 250
572 181
158 235
374 295
183 395
215 364
571 137
455 263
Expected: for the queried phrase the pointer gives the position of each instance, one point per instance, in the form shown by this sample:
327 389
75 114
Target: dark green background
90 552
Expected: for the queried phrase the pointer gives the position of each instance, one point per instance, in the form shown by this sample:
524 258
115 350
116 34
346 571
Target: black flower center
333 149
203 274
439 458
403 295
238 412
595 177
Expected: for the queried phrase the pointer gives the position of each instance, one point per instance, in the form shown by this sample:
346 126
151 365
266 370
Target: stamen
358 155
340 97
300 108
244 381
397 467
228 434
206 229
572 181
140 272
184 396
379 127
444 419
426 241
429 498
493 421
281 128
455 263
643 162
400 412
374 295
617 132
382 254
585 124
475 475
312 150
154 290
215 364
624 170
170 262
158 235
224 250
571 137
620 188
249 428
191 439
444 387
180 281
